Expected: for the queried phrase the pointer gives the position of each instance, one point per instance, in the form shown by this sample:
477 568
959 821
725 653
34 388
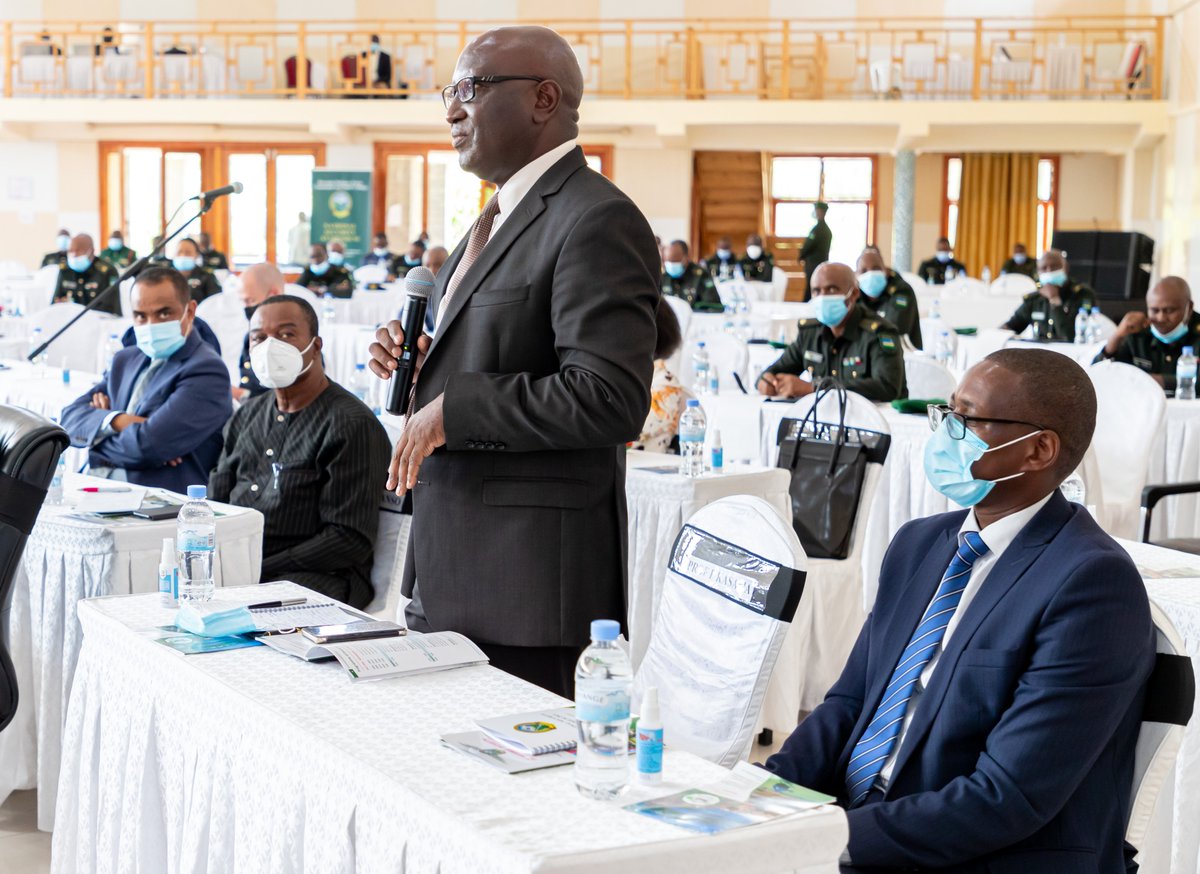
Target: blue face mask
1172 336
1053 277
62 241
115 244
337 258
319 269
872 283
209 621
948 464
412 262
1019 258
944 257
831 309
674 268
184 263
159 339
79 263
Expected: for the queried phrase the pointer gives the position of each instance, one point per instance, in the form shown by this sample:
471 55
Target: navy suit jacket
186 404
1019 756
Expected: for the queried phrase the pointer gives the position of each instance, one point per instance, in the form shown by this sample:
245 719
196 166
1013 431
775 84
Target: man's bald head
833 278
434 258
1173 289
870 259
260 282
1052 259
1169 304
532 51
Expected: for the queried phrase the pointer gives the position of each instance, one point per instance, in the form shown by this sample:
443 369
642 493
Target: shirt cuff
106 428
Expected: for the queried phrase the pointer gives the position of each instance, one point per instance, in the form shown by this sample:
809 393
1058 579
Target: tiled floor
23 849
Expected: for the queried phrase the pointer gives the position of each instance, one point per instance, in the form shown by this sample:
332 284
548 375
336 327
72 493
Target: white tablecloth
45 391
65 561
255 761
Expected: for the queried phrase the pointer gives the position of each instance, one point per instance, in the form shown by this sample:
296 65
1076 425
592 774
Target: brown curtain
997 207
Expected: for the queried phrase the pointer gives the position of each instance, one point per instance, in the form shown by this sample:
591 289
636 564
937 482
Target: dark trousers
348 589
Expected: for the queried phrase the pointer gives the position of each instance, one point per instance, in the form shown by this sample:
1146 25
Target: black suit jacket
545 356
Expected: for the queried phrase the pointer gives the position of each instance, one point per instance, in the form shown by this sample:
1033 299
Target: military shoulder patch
887 342
901 301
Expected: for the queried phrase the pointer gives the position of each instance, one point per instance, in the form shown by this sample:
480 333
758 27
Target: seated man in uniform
117 253
722 264
757 265
845 341
211 258
258 283
987 716
1020 263
1154 340
434 258
337 253
379 253
189 261
886 294
942 267
310 456
686 279
409 260
82 276
321 278
59 256
1053 307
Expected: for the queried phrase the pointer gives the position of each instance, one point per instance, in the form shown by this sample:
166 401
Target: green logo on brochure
534 727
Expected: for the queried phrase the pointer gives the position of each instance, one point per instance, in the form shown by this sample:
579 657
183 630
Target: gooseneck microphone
209 196
418 282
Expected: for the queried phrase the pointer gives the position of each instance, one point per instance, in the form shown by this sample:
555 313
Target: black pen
271 605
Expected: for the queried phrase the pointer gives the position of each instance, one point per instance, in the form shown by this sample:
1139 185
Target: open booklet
386 656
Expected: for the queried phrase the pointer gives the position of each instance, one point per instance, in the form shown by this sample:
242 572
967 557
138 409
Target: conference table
251 760
67 559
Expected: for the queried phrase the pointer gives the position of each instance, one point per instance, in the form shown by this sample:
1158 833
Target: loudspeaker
1115 263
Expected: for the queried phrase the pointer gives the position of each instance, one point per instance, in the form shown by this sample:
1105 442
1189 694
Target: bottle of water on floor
196 541
1185 375
692 425
603 686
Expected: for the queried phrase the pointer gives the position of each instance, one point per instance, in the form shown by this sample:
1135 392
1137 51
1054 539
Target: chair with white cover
1131 408
76 349
779 283
727 354
304 294
736 574
1170 700
374 274
1012 285
225 314
927 378
683 314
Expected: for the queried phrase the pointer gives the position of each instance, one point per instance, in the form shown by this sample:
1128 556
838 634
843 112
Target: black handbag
828 464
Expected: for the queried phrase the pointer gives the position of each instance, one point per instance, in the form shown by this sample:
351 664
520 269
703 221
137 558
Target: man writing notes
987 716
536 378
1154 340
1053 307
155 418
309 455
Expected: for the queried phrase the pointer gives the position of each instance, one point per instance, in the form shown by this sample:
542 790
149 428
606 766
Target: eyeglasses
464 88
958 422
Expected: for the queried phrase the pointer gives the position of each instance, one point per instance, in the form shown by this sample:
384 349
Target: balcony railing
969 58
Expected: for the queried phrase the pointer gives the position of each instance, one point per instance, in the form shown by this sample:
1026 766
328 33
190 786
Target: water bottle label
691 436
196 541
601 702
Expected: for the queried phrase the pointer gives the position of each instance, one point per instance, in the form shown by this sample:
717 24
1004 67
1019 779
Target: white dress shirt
998 536
513 191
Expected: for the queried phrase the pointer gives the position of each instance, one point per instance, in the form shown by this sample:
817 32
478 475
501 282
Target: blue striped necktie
877 742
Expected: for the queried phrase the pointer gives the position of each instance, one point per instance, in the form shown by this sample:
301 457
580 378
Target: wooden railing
970 58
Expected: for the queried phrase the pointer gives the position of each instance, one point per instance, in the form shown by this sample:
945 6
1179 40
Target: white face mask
753 252
278 364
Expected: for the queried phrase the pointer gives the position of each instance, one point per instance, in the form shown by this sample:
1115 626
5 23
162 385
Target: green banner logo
341 210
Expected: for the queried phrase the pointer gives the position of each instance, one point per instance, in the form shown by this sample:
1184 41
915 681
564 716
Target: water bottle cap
198 493
692 402
701 344
1187 350
605 629
359 366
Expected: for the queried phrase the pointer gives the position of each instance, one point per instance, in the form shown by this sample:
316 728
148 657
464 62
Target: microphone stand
132 270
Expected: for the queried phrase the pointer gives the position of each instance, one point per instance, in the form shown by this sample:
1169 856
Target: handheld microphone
418 282
209 196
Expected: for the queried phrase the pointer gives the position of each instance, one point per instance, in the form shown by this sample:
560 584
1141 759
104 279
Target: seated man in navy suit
987 716
155 418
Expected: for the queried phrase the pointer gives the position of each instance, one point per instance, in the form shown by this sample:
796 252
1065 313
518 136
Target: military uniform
721 270
898 305
202 283
246 377
335 281
1029 268
389 261
815 250
214 260
1052 321
933 271
695 286
58 259
82 288
760 269
400 267
867 358
119 258
1146 352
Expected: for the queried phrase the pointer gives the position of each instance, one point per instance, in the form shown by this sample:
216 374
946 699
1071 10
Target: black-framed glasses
957 422
464 88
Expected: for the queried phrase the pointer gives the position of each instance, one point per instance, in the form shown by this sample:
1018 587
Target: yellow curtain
997 207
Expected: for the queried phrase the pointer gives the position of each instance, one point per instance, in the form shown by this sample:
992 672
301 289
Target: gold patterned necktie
479 238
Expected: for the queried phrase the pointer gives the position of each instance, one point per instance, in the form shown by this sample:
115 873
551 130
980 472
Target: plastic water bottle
111 348
603 686
359 386
950 274
1185 375
714 381
935 308
986 275
1073 489
39 363
692 425
944 351
54 495
1081 326
328 313
700 366
1093 325
196 538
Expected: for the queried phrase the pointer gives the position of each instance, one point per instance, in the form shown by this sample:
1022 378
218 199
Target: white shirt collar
513 191
1000 534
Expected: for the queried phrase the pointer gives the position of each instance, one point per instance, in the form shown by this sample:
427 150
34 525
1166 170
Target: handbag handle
824 387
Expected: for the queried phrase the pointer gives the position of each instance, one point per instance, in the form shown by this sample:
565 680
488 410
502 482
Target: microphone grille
418 282
237 188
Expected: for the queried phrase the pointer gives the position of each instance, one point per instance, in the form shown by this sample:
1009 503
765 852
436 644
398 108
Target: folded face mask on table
213 619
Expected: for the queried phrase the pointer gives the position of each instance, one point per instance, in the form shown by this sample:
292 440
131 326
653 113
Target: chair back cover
928 379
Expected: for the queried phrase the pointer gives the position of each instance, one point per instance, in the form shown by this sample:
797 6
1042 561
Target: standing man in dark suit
987 716
537 376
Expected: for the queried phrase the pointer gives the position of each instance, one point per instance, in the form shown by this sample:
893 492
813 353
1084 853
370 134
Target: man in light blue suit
156 417
987 716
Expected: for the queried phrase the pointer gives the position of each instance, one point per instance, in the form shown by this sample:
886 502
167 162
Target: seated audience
667 397
885 293
723 263
942 267
434 258
845 341
211 258
337 253
1053 307
189 262
82 276
321 278
309 455
987 716
161 257
59 256
379 253
686 279
155 418
258 283
1020 263
756 264
410 259
1153 341
118 254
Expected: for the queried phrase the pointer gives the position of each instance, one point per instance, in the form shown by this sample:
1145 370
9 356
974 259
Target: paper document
304 615
479 746
125 501
404 656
